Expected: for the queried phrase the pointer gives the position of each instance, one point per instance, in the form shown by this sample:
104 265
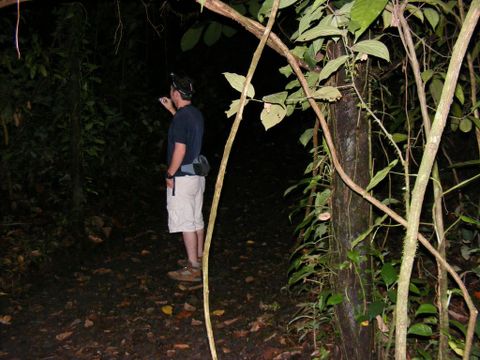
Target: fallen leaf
88 323
196 322
250 242
231 321
63 336
189 307
102 271
218 312
226 350
181 346
182 287
35 253
125 303
95 239
240 333
184 314
257 324
476 294
249 279
167 309
145 253
5 320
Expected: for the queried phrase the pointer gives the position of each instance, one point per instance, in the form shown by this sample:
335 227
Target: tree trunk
351 216
75 104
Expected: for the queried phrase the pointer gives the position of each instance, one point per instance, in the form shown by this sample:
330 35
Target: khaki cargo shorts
184 204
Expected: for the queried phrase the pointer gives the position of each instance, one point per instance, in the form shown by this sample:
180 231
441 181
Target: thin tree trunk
74 99
351 216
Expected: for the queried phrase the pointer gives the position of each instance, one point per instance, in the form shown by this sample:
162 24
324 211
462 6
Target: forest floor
120 304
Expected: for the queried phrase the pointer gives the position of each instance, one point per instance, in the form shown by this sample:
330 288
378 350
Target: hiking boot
185 262
187 273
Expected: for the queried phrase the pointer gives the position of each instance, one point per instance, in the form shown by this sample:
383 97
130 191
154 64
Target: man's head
183 85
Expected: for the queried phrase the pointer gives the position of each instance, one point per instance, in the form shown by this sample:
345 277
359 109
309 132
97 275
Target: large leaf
372 47
320 30
237 82
277 98
328 93
379 176
420 329
191 38
331 67
389 274
267 7
432 17
272 114
426 309
213 33
363 14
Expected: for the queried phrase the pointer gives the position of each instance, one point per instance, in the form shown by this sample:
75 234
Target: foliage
399 122
122 134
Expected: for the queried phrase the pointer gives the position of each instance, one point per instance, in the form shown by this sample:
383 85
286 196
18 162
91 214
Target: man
185 190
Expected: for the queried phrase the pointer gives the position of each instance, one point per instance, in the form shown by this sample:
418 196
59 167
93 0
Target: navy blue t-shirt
186 128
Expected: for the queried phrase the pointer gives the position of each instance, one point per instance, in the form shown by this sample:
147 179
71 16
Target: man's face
174 94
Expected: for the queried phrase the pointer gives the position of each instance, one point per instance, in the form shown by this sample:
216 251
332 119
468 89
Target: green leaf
228 31
331 67
367 232
286 70
322 198
234 106
272 114
470 220
306 137
375 308
426 309
372 47
363 14
459 94
415 11
267 7
379 176
399 138
432 16
329 93
320 31
335 299
213 33
191 38
277 98
420 329
389 274
436 87
237 82
465 125
456 347
427 75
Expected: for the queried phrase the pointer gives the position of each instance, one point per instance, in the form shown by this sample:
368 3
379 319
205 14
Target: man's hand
169 183
168 104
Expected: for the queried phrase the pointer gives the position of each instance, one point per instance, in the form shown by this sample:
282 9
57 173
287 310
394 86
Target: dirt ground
121 305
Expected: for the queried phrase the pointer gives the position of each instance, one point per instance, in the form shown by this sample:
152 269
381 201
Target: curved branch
221 174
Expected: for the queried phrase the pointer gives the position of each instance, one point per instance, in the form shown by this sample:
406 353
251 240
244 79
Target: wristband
169 176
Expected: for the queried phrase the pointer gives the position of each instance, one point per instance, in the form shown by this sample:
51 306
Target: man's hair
184 85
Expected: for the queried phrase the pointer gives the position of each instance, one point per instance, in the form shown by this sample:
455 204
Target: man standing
185 190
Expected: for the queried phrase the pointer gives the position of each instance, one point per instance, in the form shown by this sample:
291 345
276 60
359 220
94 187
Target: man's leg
200 240
190 240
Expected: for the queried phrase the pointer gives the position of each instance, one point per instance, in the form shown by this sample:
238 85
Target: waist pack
199 166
